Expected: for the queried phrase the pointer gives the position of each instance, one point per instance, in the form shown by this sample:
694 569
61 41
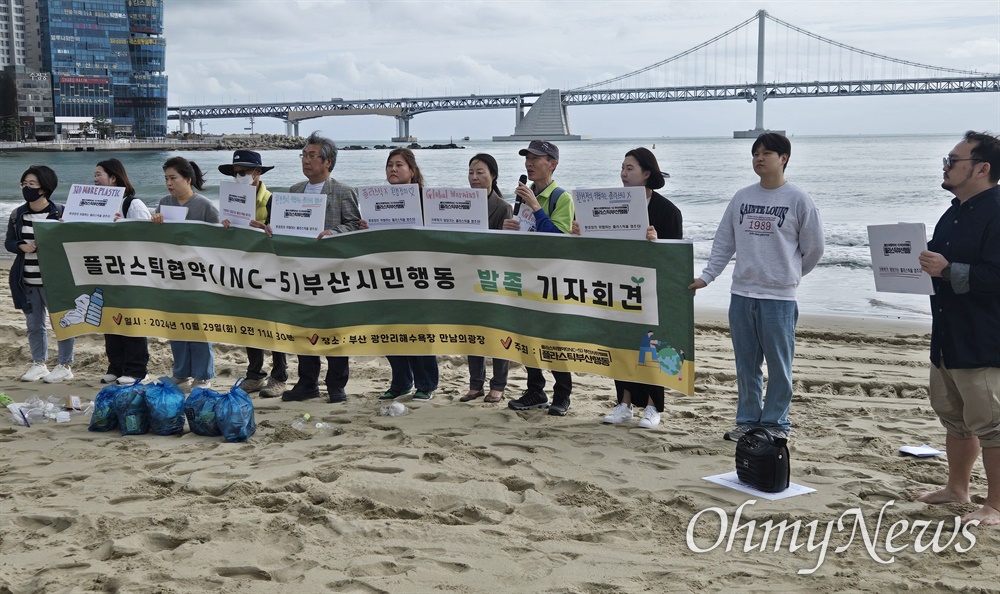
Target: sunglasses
949 161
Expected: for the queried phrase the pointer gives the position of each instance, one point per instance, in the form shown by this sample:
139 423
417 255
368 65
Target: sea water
856 181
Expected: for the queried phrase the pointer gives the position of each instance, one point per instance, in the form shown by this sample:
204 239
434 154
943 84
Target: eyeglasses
30 184
310 156
950 161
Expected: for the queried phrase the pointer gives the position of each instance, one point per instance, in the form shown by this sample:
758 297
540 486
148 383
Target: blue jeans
193 359
38 339
420 371
763 330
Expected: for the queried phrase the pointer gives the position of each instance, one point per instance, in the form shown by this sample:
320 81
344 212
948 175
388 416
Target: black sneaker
529 399
337 395
299 393
559 406
391 394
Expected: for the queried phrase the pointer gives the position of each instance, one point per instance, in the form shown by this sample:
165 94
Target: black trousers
338 371
564 381
127 355
640 394
255 368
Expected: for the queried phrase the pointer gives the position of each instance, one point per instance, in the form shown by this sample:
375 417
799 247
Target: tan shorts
968 402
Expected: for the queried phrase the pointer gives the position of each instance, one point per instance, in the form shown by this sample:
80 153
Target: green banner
616 308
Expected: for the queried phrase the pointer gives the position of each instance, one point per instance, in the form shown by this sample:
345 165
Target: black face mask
31 194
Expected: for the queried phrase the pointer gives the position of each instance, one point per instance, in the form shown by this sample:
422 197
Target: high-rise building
25 104
107 59
12 33
25 93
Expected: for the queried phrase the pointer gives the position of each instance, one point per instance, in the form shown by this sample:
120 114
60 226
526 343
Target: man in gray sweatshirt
774 229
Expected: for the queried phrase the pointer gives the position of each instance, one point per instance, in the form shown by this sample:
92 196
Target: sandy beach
473 497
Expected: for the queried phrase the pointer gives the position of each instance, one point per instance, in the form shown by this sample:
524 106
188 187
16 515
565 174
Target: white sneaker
620 414
35 373
206 384
109 378
650 418
128 380
61 373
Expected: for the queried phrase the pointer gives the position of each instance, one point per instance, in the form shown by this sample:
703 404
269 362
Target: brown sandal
471 395
493 399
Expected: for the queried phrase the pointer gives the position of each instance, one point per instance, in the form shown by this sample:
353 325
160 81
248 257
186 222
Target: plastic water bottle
301 423
96 307
327 430
396 409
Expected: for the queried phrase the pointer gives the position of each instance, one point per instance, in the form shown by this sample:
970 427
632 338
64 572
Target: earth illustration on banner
670 360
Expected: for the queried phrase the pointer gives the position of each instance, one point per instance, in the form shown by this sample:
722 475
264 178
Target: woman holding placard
640 169
192 360
128 356
408 371
38 183
483 173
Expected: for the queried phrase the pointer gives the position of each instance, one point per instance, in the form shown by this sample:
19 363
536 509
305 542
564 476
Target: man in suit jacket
342 216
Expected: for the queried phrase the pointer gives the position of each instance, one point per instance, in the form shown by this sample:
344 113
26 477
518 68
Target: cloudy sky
240 51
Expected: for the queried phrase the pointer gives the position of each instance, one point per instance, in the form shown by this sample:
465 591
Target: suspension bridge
760 59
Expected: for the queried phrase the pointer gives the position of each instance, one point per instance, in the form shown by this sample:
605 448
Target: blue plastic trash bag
165 403
234 414
199 409
130 407
104 417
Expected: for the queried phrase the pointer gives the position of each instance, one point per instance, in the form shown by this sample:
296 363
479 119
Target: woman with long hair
665 222
409 371
193 361
483 173
128 356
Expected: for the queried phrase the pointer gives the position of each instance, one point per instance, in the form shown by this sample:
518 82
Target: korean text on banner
619 309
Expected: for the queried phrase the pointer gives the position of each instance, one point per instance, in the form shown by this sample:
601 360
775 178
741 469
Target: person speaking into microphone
551 209
546 208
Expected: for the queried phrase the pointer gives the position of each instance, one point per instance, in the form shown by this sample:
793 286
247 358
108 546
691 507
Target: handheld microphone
517 201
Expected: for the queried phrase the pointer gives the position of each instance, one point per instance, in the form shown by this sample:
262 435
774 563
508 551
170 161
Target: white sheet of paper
617 213
456 208
174 214
921 451
300 215
391 206
895 250
525 218
93 204
237 203
731 480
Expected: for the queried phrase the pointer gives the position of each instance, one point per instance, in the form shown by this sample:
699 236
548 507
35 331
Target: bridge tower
546 120
760 90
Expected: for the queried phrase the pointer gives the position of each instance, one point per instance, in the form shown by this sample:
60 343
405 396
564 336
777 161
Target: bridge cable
867 53
668 60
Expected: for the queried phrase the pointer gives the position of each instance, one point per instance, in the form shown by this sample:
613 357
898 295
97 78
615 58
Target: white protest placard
618 213
391 206
456 208
237 203
93 204
301 215
173 214
525 218
895 250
